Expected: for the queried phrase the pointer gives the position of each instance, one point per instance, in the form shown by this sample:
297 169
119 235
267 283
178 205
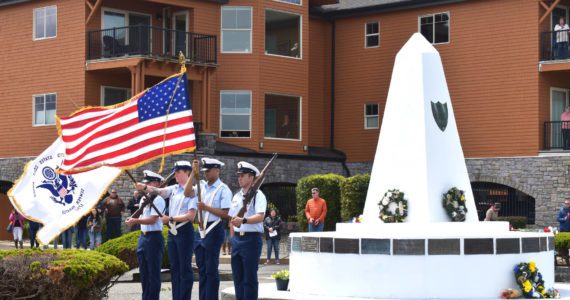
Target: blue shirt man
151 242
564 216
215 202
246 242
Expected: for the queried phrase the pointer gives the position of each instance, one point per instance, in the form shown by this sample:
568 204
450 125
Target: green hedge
57 274
353 196
562 243
329 187
518 222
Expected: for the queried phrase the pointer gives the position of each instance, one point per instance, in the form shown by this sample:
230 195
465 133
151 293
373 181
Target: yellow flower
532 266
527 286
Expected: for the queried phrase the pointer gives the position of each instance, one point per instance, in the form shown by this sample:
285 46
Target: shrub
562 243
125 248
353 196
329 187
53 274
518 222
281 275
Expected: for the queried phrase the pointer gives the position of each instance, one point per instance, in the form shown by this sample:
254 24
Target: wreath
393 207
531 283
454 204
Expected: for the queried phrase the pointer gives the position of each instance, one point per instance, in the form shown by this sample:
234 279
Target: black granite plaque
444 247
326 245
375 246
296 246
542 244
409 247
530 245
508 246
346 246
477 246
550 243
310 244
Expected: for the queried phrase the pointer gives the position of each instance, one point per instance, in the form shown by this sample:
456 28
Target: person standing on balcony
316 211
561 30
565 118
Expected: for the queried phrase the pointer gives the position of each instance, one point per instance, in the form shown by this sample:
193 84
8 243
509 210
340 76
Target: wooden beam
92 13
112 64
548 11
553 67
89 4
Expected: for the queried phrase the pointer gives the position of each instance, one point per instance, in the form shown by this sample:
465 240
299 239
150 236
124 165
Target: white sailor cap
210 163
151 176
245 167
182 165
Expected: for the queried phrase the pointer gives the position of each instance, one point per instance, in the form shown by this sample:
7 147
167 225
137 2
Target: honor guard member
216 200
246 242
151 241
181 213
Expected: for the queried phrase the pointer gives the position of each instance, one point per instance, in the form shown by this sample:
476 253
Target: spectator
564 216
565 118
94 226
81 233
132 206
67 237
493 212
316 211
227 245
17 221
272 234
114 209
33 228
561 30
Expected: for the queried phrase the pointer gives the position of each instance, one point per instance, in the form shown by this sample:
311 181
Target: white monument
427 256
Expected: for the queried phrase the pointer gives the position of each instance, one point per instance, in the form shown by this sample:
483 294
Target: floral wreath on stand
393 207
531 283
454 204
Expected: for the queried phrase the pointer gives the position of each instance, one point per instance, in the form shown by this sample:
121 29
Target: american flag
129 133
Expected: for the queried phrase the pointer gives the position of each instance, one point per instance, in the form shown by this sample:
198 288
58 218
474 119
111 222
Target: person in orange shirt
316 211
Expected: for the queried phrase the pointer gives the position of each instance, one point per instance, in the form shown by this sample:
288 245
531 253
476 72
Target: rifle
257 182
148 198
199 192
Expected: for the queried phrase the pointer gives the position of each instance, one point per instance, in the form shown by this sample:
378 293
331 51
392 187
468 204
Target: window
372 35
45 22
282 33
236 29
282 117
125 32
435 28
114 95
371 118
235 114
44 109
298 2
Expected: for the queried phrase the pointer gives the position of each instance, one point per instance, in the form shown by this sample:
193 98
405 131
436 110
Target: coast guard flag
57 201
155 122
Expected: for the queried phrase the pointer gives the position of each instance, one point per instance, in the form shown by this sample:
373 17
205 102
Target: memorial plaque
508 246
542 244
444 247
550 243
409 247
530 245
346 246
296 247
478 246
375 246
326 245
310 244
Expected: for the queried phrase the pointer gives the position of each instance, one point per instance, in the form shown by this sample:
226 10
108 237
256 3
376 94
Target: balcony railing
555 134
554 45
141 40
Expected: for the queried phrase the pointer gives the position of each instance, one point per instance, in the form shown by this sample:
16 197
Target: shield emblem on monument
439 112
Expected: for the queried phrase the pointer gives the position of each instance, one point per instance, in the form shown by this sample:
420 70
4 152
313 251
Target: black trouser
566 139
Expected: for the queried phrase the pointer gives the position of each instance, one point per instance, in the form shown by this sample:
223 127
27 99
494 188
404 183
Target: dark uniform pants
246 251
208 260
149 254
180 248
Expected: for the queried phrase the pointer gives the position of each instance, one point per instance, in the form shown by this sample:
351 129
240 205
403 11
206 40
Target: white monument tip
419 152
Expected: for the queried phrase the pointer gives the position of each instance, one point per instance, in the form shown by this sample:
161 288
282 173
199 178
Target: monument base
407 260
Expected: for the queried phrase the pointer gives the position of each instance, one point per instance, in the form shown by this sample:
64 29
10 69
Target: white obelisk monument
419 151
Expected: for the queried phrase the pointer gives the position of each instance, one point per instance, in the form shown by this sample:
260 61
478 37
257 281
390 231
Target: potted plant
281 279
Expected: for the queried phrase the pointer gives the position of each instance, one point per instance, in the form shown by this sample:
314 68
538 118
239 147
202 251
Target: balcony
151 42
554 137
554 52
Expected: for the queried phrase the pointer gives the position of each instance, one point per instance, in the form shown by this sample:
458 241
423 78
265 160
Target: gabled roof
348 8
